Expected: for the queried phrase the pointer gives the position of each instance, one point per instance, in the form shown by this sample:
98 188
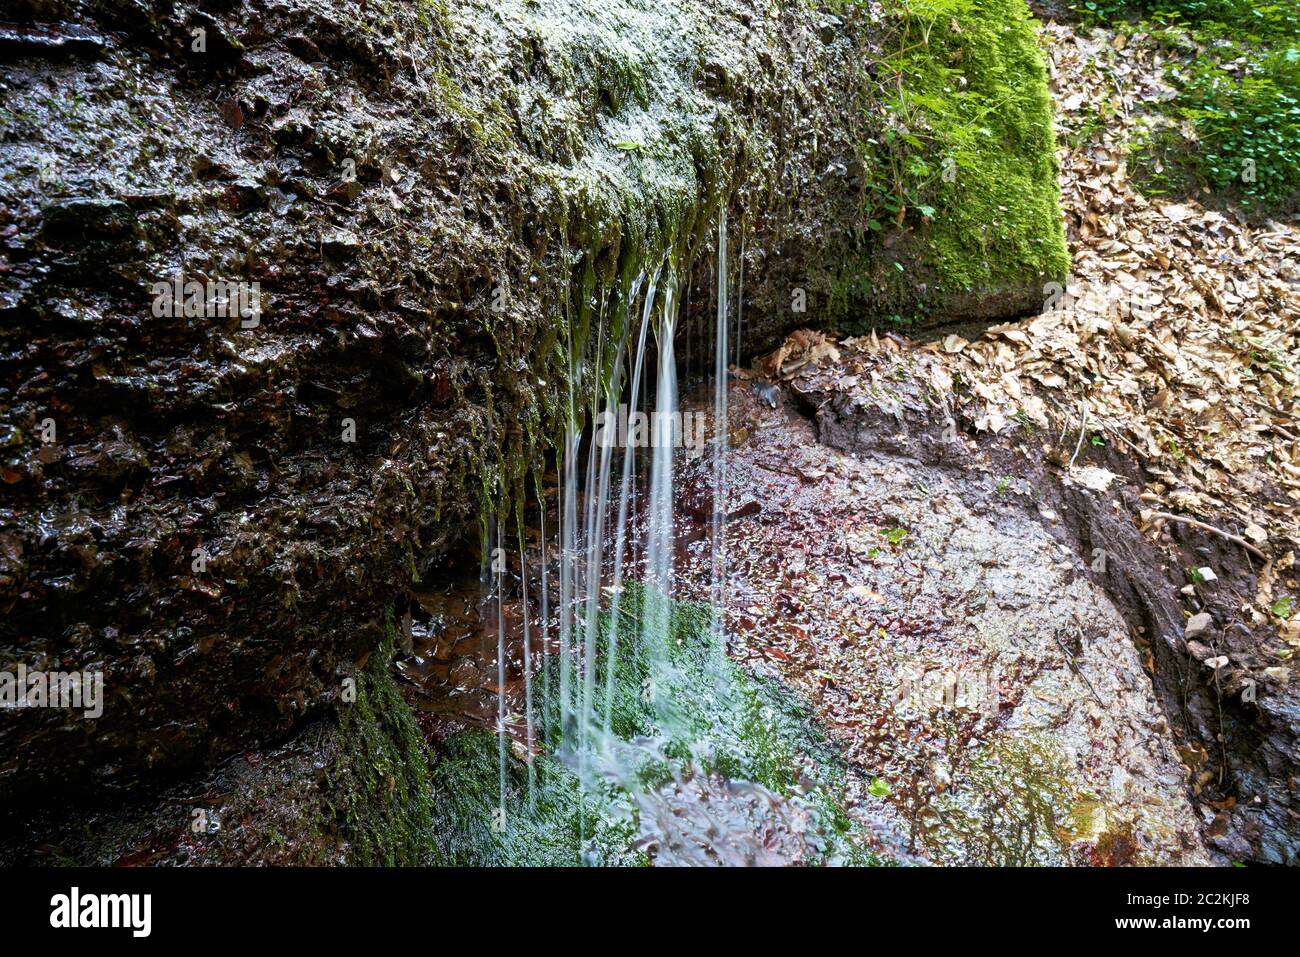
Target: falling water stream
626 488
665 438
717 511
632 407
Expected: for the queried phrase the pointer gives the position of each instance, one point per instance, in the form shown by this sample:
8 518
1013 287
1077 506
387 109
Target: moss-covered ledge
961 204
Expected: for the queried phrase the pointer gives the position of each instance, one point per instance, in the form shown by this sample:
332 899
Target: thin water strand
659 518
717 582
624 498
529 731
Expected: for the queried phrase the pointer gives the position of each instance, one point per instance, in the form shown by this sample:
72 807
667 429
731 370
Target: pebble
1198 625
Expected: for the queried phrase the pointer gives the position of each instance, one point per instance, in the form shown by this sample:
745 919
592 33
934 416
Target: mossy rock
963 206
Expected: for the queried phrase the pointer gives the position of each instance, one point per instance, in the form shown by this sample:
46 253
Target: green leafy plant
894 536
1247 116
1238 91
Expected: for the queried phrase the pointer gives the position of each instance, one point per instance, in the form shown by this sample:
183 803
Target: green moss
378 784
1000 215
1249 20
961 195
562 827
704 715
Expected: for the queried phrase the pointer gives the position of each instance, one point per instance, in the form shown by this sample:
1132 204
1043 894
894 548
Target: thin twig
1072 661
1083 430
776 468
1114 430
1197 523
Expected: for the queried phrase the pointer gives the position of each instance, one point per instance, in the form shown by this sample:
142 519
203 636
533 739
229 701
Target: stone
244 195
86 219
1198 625
44 40
339 244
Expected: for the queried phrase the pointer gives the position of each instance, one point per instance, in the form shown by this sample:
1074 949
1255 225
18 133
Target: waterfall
597 512
633 403
659 519
740 289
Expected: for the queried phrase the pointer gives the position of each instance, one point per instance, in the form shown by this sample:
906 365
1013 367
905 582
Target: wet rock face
957 649
213 504
1172 727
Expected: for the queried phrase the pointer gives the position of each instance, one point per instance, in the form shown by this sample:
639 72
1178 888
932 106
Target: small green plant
1246 111
879 787
1004 486
1092 124
894 536
1282 608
